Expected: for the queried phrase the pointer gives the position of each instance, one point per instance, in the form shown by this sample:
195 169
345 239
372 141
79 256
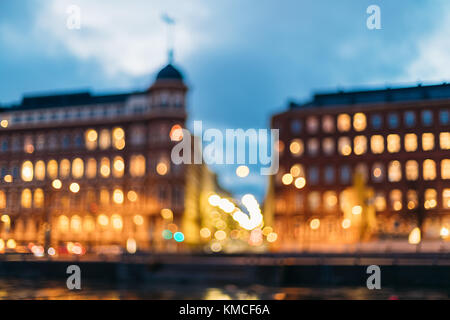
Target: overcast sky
243 59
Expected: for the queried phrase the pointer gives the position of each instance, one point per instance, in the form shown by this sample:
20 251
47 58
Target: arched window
2 199
91 168
137 165
105 169
38 198
27 171
39 169
26 198
77 168
118 167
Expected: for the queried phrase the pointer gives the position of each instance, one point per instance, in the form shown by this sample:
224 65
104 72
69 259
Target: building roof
66 100
169 72
416 93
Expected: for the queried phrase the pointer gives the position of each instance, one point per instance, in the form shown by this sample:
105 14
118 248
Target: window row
91 139
394 172
395 200
345 122
361 144
79 168
105 197
164 99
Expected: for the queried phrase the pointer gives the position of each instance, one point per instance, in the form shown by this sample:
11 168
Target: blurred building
96 169
396 140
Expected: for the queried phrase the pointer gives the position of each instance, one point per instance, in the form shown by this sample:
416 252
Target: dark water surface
30 289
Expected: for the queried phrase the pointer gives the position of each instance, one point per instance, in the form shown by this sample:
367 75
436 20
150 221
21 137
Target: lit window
162 168
412 170
26 198
393 143
330 201
39 170
378 172
444 139
105 139
380 201
52 169
176 133
314 201
359 121
429 170
328 146
118 196
297 171
27 171
412 199
91 137
430 199
410 142
328 124
38 198
410 119
427 141
28 144
344 122
296 126
312 123
119 138
77 168
377 121
116 221
2 200
344 146
393 121
377 144
313 146
296 147
88 224
105 168
104 197
396 200
427 118
394 171
118 167
91 169
75 224
446 198
360 145
445 169
63 224
64 168
137 165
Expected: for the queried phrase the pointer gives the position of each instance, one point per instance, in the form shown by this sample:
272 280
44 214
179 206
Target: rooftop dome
169 72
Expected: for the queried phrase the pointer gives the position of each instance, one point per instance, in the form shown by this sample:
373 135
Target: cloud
123 38
432 62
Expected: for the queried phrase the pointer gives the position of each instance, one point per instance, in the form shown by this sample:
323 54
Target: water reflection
55 290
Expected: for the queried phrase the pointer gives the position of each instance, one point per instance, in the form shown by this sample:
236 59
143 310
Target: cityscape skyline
230 66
